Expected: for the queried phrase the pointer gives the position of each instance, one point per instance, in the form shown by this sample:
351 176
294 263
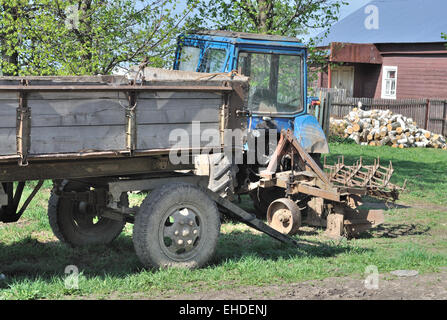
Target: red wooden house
389 49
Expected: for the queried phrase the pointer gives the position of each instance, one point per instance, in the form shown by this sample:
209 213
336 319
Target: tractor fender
309 133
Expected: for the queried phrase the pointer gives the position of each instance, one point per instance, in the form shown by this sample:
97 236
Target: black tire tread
148 251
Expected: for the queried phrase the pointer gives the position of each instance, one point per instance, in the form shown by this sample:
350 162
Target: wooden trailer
100 137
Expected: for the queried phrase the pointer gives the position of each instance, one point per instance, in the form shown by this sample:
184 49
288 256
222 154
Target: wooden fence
320 92
430 114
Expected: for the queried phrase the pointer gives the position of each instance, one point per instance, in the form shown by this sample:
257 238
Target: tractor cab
277 69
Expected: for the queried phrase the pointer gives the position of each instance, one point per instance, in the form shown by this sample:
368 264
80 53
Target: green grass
414 236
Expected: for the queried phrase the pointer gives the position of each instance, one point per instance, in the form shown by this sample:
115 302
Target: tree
294 18
283 17
78 37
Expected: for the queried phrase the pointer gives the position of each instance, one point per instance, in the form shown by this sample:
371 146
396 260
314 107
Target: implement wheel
263 197
177 225
76 224
284 216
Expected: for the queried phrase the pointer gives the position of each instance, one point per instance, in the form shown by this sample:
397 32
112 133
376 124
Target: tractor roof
245 37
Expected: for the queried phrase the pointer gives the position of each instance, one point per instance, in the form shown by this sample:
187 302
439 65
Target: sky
344 12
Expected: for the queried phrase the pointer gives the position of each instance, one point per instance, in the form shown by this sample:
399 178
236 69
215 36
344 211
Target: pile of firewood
382 127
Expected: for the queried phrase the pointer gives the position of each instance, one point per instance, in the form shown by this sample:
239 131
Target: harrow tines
375 178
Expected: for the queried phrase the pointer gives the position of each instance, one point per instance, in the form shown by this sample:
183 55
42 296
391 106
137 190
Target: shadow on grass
396 231
239 244
30 258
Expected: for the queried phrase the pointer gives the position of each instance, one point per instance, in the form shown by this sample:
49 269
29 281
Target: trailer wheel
177 225
77 228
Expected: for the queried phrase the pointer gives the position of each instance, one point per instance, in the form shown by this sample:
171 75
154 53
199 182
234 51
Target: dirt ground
421 287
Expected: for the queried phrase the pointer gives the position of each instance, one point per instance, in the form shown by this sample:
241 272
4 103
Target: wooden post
327 114
427 114
322 110
444 120
23 129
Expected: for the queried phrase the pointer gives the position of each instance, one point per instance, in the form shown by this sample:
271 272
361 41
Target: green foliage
79 37
281 17
340 140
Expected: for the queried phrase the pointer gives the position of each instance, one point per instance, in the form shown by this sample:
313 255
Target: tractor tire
177 225
222 175
76 228
317 158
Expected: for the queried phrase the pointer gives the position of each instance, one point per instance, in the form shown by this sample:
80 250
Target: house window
389 82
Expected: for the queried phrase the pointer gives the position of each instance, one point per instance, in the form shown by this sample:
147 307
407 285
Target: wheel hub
181 231
284 216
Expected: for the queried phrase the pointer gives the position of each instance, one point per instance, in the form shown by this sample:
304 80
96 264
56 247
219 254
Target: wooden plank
444 122
155 136
174 111
8 141
46 140
70 95
179 95
88 168
59 113
8 113
8 96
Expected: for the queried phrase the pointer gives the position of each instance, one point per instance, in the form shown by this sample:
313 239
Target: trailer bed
73 118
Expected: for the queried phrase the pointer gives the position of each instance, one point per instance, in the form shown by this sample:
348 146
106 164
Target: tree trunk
264 15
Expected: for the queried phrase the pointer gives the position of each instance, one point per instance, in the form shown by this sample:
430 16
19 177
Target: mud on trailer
99 138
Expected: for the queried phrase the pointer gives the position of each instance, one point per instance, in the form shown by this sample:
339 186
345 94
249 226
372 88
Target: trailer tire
67 230
177 225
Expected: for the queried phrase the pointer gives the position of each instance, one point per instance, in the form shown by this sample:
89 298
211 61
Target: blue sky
345 11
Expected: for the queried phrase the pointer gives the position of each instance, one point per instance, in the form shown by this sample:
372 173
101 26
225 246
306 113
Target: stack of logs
382 127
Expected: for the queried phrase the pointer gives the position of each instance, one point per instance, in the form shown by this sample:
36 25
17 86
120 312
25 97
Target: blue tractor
277 69
293 186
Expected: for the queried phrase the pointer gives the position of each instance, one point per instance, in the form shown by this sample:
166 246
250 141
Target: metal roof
399 21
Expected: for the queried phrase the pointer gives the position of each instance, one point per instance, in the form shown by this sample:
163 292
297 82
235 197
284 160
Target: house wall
422 69
418 76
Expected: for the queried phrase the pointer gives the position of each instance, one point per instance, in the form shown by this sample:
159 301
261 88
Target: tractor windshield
275 81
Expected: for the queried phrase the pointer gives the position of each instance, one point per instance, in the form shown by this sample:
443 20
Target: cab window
275 81
189 59
213 60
